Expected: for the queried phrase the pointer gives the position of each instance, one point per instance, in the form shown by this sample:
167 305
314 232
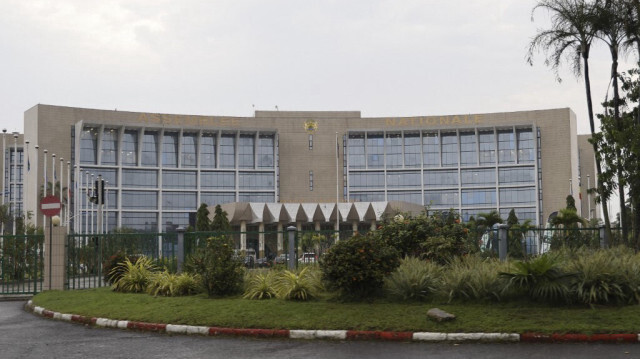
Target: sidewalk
335 334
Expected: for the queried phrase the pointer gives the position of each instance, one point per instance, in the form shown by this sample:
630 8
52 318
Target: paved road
24 335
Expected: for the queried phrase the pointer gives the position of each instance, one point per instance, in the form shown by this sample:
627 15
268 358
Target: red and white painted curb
334 334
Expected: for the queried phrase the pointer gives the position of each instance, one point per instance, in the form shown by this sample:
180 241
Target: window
506 147
89 146
175 220
145 222
129 152
412 152
212 198
109 149
516 175
449 149
139 178
517 196
355 146
208 150
227 150
245 151
478 197
266 150
447 198
403 179
375 150
310 180
259 180
365 180
441 178
431 149
179 200
394 150
478 177
189 154
170 149
150 149
217 180
257 197
139 200
468 149
179 179
487 147
366 196
412 197
310 142
525 146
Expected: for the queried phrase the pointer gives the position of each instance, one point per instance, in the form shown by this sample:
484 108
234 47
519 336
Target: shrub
473 278
541 278
259 286
356 267
600 279
414 279
111 276
219 270
172 285
301 286
134 277
443 249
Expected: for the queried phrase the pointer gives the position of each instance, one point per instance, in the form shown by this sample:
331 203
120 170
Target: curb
433 337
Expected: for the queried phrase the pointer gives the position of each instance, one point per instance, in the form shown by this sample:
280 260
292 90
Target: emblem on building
310 126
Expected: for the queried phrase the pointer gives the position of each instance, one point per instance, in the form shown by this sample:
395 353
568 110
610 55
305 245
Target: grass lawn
321 314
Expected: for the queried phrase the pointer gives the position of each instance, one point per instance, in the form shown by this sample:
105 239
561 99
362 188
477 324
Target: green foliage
408 234
220 271
443 249
172 285
356 267
473 278
414 279
258 285
541 278
135 276
300 286
512 219
111 269
203 223
220 221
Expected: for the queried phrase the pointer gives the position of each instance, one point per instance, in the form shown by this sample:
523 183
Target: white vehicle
308 258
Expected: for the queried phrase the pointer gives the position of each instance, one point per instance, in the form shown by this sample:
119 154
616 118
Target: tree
487 220
203 223
220 221
573 28
571 203
512 219
610 29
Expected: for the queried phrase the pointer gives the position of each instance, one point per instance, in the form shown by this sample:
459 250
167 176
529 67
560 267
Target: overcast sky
383 58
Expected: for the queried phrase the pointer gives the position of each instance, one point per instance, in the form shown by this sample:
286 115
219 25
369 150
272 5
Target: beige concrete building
160 167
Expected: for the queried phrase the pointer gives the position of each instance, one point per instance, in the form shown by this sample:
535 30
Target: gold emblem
310 126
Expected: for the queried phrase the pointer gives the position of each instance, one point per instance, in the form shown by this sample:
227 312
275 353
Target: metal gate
21 264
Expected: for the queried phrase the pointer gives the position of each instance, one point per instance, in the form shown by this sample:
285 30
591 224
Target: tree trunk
587 83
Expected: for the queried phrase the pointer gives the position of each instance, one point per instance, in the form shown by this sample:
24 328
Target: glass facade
13 179
470 170
156 177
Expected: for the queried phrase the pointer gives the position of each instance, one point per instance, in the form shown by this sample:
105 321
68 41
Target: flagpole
4 169
337 189
589 196
25 186
15 181
35 215
61 182
68 195
86 208
92 194
44 218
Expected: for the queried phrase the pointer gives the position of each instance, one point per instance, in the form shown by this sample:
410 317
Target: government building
281 168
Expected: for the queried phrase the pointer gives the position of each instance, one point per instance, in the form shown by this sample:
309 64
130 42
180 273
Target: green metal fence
21 264
87 254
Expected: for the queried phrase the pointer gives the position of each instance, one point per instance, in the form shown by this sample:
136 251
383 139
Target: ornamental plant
220 270
415 279
356 267
135 277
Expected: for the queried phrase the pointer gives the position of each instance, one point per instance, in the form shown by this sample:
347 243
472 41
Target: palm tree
571 34
610 28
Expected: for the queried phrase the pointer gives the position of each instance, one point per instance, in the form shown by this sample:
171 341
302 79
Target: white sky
384 58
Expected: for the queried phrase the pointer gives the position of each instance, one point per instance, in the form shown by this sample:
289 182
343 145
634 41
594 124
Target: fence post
502 245
604 241
180 254
292 233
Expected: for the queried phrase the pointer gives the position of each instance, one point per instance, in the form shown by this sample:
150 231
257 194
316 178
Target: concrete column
354 226
243 235
280 238
373 225
298 226
502 244
261 240
316 226
180 254
55 259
